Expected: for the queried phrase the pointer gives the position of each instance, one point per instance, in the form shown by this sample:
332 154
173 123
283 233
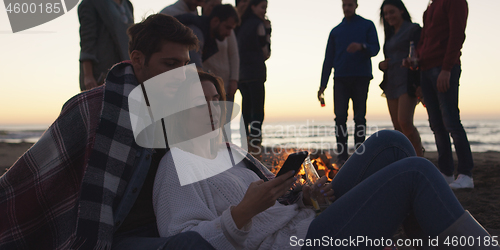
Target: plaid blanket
62 192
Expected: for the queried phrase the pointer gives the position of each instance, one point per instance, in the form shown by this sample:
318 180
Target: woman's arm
260 196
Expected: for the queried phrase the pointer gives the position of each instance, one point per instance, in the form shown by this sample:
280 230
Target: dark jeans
252 107
444 119
345 88
147 238
382 186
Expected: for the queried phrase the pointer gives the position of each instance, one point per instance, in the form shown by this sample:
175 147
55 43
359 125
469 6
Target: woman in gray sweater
234 202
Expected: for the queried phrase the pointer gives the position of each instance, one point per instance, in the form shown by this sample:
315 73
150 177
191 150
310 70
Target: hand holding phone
293 162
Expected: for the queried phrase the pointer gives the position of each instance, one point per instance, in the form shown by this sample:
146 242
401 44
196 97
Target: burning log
321 161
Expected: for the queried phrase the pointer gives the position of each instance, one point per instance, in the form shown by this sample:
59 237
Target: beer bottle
412 56
322 100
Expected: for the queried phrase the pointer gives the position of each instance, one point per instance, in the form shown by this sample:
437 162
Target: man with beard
217 26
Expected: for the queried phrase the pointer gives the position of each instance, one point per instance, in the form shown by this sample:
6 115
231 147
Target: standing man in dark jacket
439 57
350 47
103 38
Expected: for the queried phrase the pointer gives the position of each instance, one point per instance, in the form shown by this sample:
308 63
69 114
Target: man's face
221 30
172 55
349 7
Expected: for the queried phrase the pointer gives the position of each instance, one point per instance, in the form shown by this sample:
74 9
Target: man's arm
372 47
327 63
87 15
457 20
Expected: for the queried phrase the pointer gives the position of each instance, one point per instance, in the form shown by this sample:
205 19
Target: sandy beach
483 201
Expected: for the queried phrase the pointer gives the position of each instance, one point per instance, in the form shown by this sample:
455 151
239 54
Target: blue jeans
384 185
252 107
147 238
345 88
444 119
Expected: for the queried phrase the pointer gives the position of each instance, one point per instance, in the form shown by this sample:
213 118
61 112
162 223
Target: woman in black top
254 48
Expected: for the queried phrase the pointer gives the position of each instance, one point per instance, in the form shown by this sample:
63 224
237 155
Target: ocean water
484 135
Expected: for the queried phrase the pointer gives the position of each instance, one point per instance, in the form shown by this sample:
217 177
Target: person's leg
393 105
147 238
258 92
377 206
441 136
378 151
341 98
253 114
359 96
405 119
448 102
229 113
246 104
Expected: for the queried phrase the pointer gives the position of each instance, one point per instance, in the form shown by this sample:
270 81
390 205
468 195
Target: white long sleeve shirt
205 207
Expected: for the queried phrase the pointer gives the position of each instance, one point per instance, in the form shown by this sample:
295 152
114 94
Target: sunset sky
39 66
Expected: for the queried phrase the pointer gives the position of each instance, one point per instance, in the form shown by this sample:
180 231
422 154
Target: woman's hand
319 191
384 65
260 196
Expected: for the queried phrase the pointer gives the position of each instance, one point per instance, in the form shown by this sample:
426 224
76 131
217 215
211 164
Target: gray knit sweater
205 207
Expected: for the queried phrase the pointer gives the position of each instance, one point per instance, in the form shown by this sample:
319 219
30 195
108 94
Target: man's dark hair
149 35
224 12
356 2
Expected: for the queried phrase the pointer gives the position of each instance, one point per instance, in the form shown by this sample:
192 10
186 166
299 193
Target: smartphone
293 162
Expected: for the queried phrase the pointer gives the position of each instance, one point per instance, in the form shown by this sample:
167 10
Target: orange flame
321 167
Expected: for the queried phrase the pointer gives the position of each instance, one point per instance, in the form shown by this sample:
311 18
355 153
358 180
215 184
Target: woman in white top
229 198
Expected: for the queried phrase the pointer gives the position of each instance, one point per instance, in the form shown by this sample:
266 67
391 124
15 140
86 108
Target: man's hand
406 63
233 86
443 81
320 91
88 76
384 65
260 196
89 82
418 92
319 191
353 47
